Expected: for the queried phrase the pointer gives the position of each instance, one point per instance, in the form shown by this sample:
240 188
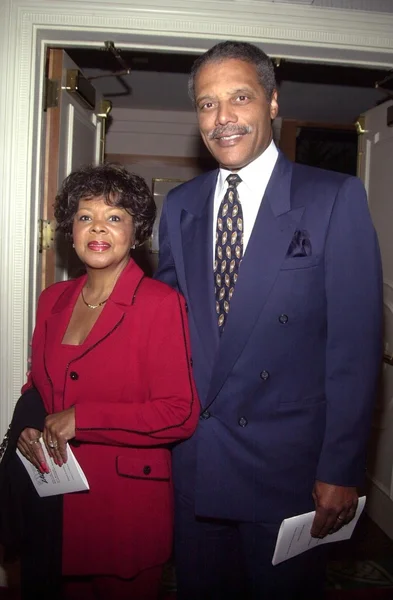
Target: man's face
234 115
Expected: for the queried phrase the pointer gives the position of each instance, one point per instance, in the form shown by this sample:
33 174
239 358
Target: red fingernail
44 467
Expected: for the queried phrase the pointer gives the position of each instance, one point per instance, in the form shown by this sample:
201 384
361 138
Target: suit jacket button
74 376
243 422
191 362
283 319
186 307
205 415
264 375
147 470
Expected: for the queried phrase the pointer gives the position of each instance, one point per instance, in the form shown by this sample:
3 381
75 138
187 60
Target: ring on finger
52 444
36 441
340 518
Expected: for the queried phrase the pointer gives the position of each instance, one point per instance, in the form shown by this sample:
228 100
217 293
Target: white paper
294 535
60 480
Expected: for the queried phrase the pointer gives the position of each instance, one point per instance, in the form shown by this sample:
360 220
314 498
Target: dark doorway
332 149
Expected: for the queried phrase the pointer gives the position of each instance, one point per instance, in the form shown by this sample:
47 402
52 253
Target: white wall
155 133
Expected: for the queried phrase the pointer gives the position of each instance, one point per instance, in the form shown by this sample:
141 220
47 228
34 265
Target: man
280 268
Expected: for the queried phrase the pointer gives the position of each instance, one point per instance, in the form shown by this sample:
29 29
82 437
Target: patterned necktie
229 248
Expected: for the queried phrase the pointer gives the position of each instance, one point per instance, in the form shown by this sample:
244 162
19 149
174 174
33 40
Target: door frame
28 27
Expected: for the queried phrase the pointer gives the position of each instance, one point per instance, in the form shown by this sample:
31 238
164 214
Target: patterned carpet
366 574
362 568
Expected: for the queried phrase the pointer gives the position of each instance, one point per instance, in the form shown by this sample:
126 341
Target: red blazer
133 392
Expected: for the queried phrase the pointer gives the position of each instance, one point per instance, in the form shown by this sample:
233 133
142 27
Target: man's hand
59 428
335 505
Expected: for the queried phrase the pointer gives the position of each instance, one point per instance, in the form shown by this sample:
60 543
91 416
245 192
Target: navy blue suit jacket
287 391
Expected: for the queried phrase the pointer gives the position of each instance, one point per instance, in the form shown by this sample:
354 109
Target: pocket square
300 245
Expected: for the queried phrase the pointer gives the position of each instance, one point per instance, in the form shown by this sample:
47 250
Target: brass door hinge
104 109
360 124
46 235
81 88
51 93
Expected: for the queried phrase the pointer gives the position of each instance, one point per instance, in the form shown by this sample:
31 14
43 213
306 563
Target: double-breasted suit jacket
287 390
132 388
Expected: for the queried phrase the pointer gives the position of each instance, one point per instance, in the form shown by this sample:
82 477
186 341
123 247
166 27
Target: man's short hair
240 51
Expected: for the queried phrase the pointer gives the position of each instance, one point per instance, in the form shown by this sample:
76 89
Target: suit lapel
197 244
272 233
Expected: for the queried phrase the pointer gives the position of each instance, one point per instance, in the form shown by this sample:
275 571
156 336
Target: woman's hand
30 446
59 428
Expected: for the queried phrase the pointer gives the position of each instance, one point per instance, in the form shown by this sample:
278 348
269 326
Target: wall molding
258 21
27 27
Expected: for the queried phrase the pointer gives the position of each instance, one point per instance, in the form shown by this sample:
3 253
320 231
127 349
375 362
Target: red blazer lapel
110 318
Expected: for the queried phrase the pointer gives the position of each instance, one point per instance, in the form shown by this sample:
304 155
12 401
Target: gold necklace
92 305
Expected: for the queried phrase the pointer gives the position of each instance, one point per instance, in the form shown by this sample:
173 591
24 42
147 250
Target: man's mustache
225 131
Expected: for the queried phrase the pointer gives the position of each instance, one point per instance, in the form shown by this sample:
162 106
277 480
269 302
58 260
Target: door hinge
360 124
51 93
104 109
46 235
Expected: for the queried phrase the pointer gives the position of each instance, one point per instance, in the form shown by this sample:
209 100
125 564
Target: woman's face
103 234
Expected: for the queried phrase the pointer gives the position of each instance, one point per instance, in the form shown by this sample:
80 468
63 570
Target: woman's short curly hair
117 186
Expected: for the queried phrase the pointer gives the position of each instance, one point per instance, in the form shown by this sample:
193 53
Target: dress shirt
255 177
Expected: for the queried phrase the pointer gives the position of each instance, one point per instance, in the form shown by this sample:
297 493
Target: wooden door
74 136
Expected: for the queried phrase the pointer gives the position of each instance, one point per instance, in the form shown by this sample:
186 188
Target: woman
110 359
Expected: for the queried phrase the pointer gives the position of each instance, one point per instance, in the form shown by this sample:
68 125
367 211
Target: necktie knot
233 180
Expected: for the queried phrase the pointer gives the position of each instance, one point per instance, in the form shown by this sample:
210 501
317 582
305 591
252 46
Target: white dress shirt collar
255 178
255 175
